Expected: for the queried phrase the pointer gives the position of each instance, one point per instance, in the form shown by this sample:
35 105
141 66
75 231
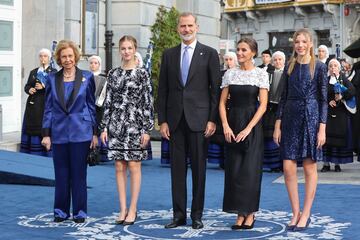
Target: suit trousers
70 177
182 141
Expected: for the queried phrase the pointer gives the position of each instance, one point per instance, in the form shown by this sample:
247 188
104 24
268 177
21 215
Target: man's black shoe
59 219
79 220
197 224
175 223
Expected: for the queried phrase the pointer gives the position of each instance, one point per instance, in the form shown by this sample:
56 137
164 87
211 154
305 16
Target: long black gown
243 169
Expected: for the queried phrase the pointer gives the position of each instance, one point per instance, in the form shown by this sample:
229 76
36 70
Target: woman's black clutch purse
241 146
93 158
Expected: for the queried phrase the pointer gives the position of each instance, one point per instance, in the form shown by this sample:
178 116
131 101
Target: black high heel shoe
291 227
125 223
251 226
238 226
121 221
299 229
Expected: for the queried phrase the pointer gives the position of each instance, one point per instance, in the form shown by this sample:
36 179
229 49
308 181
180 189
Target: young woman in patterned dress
126 124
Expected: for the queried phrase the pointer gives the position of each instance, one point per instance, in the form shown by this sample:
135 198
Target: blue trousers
70 178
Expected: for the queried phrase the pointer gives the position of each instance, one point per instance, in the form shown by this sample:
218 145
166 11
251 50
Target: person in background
323 54
70 127
266 61
216 143
100 93
355 120
338 148
272 160
34 110
126 124
347 69
138 59
248 88
140 64
301 123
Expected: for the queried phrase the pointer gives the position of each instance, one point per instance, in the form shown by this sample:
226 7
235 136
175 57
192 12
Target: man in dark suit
266 59
188 106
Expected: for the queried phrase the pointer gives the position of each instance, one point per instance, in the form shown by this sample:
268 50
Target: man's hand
164 131
210 129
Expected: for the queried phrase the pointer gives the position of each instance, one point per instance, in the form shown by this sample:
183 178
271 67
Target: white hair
95 57
280 54
98 59
325 48
233 56
138 56
46 51
338 64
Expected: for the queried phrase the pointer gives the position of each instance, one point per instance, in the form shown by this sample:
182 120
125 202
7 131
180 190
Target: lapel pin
201 54
83 79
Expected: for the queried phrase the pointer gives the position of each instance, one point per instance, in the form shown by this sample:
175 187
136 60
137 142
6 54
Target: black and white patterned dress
128 113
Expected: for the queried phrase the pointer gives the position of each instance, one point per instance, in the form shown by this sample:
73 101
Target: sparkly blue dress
303 106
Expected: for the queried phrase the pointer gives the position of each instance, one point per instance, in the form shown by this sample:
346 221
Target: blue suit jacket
75 120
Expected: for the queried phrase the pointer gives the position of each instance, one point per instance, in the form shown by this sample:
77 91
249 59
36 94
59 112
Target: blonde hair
63 44
294 55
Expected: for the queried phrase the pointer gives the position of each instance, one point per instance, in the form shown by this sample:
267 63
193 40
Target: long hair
294 55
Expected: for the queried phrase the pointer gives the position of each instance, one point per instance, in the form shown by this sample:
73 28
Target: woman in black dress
272 160
338 148
35 88
243 134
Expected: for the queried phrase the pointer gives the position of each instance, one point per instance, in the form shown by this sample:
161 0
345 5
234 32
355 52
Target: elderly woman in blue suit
69 126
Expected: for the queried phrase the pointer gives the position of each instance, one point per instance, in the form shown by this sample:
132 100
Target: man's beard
187 37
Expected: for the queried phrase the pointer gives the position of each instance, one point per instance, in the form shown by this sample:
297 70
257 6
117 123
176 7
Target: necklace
69 76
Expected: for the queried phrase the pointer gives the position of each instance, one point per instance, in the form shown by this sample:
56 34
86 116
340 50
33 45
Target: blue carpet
26 210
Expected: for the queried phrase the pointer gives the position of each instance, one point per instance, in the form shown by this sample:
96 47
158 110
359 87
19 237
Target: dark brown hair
186 14
252 44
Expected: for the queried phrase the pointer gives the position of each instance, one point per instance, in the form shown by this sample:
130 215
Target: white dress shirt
190 51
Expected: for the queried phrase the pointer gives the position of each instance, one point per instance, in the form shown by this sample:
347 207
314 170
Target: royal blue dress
303 106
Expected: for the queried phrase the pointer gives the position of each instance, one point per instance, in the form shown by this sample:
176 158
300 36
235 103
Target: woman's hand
46 142
228 133
338 97
277 133
38 86
104 137
94 142
144 141
332 103
32 91
321 136
243 134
